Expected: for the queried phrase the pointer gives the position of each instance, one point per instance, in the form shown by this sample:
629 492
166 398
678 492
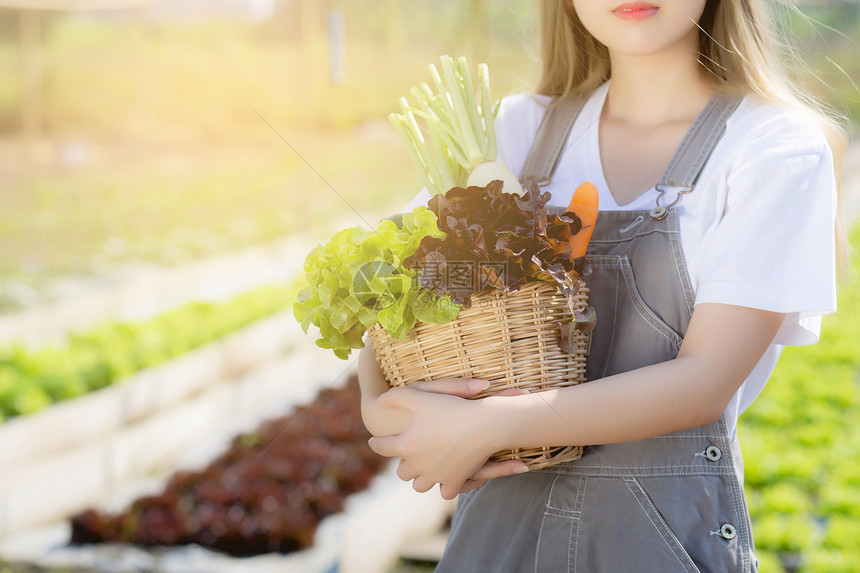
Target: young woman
701 276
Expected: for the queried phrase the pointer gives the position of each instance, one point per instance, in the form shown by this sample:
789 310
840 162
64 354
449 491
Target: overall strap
693 152
683 168
699 141
550 139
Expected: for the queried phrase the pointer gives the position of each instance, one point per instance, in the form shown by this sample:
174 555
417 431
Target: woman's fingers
404 470
385 446
450 492
405 396
423 485
487 472
462 387
513 392
471 484
492 470
396 397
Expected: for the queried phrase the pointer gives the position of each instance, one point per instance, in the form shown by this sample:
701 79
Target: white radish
489 171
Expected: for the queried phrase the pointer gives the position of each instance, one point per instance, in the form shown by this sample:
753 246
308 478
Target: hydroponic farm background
164 168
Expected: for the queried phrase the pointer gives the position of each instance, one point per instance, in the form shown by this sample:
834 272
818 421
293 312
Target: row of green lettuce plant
802 450
33 378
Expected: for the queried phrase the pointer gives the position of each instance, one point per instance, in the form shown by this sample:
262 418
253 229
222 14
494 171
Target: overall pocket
708 515
629 333
622 530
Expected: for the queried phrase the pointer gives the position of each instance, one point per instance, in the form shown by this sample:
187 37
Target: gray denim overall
664 504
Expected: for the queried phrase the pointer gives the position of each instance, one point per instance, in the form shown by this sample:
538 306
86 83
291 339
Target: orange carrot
584 204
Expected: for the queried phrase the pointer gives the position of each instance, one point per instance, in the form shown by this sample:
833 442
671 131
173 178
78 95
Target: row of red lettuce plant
266 492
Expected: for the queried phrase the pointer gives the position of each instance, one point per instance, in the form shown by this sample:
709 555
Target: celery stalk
399 124
444 98
432 168
471 107
487 111
456 94
448 130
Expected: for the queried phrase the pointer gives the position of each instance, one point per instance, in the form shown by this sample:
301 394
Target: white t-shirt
757 231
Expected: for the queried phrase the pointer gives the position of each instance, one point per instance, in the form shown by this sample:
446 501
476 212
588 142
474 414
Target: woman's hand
448 442
384 420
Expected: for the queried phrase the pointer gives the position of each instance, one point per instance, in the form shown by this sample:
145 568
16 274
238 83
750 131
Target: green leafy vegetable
358 279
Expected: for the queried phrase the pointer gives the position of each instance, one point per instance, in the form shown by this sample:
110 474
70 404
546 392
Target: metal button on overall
659 212
713 453
728 531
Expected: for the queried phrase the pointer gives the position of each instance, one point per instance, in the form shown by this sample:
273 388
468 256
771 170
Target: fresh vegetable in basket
449 132
357 279
584 204
471 237
469 240
496 240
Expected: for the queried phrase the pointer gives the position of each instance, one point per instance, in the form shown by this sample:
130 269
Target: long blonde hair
739 51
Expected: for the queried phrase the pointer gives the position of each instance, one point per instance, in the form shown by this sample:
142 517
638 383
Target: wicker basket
510 340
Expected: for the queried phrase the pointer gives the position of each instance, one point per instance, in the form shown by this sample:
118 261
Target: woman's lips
635 10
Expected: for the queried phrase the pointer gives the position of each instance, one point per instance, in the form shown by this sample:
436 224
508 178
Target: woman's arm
448 438
722 345
379 420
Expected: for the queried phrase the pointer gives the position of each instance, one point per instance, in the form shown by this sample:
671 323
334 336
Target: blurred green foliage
177 162
31 379
131 74
134 74
173 212
802 449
